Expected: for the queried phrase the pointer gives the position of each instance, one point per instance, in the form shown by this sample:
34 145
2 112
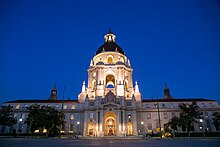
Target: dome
110 47
110 44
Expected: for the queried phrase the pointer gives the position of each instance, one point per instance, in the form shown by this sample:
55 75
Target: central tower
109 70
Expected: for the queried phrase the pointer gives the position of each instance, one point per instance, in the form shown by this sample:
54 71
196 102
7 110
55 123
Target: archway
91 129
129 128
110 123
110 81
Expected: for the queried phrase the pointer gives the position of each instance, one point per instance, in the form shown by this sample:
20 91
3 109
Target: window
128 103
65 107
71 117
149 126
211 104
91 104
17 106
163 105
129 115
110 59
20 127
15 115
57 106
71 128
148 115
23 116
73 107
157 123
203 105
165 116
91 115
171 105
147 106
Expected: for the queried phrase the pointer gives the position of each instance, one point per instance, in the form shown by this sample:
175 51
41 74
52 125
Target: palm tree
189 114
216 120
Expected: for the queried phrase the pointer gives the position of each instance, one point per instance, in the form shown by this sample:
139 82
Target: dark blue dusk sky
44 42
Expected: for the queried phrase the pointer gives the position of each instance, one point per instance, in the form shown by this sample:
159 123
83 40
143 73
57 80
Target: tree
216 120
7 116
172 124
45 117
36 117
54 119
189 114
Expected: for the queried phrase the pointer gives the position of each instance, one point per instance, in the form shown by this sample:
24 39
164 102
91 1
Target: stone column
123 123
134 123
101 123
118 122
85 129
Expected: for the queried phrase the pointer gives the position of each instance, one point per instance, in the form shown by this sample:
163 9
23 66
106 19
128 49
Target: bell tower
109 70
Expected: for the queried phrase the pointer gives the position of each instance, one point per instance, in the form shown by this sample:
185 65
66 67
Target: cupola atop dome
110 44
110 37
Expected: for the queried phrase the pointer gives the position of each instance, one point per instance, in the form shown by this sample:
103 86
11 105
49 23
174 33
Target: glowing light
36 131
78 122
142 122
45 131
20 119
150 131
201 120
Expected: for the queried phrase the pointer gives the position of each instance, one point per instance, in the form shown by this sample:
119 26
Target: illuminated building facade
111 104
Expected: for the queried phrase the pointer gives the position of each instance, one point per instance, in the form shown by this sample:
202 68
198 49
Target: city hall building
111 103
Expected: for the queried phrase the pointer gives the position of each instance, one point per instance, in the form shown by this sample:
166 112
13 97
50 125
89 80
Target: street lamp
77 129
142 128
202 127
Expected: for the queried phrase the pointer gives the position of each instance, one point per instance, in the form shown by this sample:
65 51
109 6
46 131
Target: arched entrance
110 123
91 129
129 128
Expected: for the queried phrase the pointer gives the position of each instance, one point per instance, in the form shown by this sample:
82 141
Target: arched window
110 81
110 59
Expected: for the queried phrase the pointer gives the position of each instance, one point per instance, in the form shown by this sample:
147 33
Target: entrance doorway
91 129
129 128
110 123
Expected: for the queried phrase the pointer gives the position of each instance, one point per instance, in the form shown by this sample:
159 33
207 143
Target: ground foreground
27 142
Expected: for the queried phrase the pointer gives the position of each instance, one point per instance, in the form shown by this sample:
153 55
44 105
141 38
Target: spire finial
109 30
165 86
54 87
84 86
136 87
91 63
